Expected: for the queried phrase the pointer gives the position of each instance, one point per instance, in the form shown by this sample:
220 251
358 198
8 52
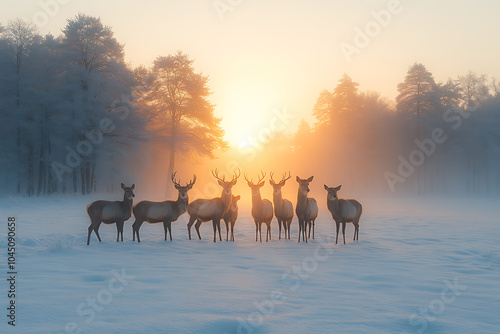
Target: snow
420 266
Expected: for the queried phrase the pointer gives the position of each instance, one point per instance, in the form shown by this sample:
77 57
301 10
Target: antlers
233 180
250 183
188 184
283 179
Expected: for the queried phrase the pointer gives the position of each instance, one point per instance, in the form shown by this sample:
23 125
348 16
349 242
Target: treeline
76 119
437 138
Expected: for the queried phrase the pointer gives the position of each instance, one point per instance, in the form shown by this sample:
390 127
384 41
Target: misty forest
76 118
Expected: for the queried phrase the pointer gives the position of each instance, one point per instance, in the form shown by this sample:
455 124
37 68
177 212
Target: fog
80 122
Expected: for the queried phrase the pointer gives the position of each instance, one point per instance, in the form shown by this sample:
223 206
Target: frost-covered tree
450 94
474 89
177 102
332 107
418 93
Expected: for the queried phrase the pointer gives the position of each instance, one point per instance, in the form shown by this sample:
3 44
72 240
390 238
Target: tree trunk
171 164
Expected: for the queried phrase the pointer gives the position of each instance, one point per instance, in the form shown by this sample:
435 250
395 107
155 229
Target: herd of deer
225 208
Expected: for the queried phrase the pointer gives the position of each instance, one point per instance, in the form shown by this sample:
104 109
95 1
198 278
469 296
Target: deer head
226 185
277 186
256 186
304 185
332 192
128 192
183 190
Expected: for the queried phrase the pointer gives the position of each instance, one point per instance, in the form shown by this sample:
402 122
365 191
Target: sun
247 108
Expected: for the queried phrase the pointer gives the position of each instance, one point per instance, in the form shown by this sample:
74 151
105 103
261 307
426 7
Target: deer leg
96 230
300 229
90 232
197 227
313 227
215 229
135 229
170 230
218 227
256 231
232 231
269 230
227 230
279 226
305 231
190 223
343 230
260 231
165 228
118 228
338 226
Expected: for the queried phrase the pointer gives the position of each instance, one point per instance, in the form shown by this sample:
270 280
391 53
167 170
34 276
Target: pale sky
282 54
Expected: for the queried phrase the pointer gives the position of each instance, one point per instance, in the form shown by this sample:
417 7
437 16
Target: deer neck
182 204
334 206
256 200
226 200
277 199
126 205
301 200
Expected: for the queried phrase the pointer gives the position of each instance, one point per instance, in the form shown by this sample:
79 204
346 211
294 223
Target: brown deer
231 215
283 208
111 212
203 210
262 209
166 212
306 209
343 211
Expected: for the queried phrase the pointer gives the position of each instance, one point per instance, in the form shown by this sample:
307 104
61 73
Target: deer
166 211
306 209
111 212
283 208
231 215
343 211
262 209
204 210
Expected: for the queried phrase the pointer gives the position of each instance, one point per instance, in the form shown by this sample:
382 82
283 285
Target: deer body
343 211
230 216
166 211
203 210
110 212
306 209
262 209
283 208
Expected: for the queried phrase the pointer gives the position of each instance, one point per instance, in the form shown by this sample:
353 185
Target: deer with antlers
204 210
166 212
283 208
110 212
306 209
262 209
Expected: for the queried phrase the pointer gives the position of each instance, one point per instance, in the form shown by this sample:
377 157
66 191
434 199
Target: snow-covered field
428 266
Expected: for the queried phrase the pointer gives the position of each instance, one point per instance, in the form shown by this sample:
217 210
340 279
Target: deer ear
133 187
338 188
238 197
297 178
310 179
221 183
123 186
261 184
326 187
